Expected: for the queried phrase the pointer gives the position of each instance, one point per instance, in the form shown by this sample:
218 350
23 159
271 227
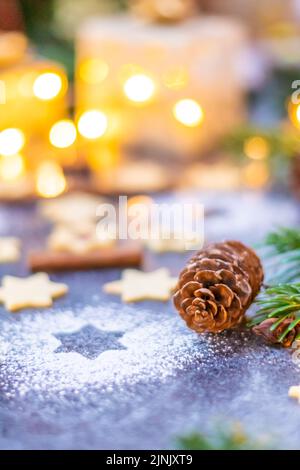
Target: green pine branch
223 437
284 240
281 256
284 142
281 302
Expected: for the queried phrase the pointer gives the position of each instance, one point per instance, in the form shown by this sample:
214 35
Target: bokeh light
93 71
11 167
256 174
12 140
50 179
176 78
256 148
188 112
139 88
298 113
92 124
63 133
47 86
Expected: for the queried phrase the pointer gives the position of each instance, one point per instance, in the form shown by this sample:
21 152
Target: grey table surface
92 373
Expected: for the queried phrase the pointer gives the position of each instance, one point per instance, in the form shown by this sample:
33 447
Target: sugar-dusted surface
162 381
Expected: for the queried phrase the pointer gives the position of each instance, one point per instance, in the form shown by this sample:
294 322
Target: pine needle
281 302
284 240
282 257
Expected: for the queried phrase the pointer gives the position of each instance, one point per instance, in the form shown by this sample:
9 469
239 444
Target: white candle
142 74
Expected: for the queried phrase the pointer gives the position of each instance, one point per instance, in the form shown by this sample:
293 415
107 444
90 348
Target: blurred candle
35 97
93 71
176 78
162 80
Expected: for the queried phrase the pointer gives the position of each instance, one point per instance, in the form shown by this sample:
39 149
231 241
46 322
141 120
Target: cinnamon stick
122 256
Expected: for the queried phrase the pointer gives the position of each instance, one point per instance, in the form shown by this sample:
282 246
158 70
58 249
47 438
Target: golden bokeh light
140 199
12 140
176 78
294 113
188 112
11 167
63 133
256 174
298 113
128 70
257 148
93 71
139 88
25 84
139 205
47 86
50 179
92 124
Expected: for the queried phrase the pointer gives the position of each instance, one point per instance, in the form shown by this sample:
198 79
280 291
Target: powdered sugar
154 349
167 381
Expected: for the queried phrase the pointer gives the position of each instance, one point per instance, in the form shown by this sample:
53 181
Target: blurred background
116 96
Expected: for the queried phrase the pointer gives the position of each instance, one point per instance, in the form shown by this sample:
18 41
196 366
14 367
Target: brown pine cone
217 286
263 329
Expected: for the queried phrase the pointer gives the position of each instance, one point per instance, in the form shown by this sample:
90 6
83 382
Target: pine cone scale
272 336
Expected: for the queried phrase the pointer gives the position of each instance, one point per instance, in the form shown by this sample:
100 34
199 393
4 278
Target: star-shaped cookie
72 208
71 240
136 285
9 249
294 392
34 291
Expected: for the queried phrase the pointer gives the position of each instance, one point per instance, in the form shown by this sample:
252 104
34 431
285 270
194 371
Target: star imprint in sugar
89 341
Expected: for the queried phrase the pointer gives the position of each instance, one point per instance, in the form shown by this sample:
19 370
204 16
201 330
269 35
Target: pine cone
263 329
217 286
